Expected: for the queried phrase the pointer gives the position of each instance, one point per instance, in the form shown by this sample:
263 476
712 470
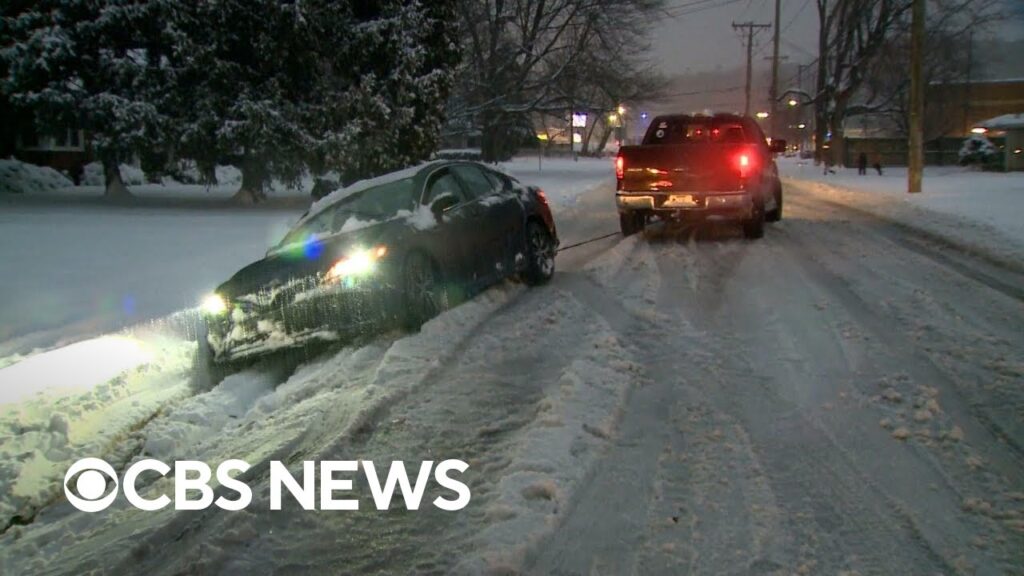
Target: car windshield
372 205
684 130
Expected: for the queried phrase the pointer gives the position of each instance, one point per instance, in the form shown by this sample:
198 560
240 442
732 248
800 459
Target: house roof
1004 122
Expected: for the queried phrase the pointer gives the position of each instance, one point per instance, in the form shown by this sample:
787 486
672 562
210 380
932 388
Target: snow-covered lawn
73 271
76 267
562 179
984 210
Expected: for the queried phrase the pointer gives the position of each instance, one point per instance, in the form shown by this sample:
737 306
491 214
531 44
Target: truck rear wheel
754 228
631 223
776 214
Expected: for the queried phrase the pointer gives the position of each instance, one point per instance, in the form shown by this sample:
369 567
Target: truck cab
698 167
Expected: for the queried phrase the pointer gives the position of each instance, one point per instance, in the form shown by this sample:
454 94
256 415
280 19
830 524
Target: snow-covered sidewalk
983 211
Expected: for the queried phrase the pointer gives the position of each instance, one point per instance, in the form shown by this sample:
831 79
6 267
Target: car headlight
359 262
214 305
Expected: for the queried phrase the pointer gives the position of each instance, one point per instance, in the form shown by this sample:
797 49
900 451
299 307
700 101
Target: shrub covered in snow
186 172
93 175
17 177
978 150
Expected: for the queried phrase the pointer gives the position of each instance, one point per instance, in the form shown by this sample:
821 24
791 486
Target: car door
500 220
457 230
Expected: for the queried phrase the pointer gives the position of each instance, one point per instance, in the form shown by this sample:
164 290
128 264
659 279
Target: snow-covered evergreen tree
978 150
278 88
92 65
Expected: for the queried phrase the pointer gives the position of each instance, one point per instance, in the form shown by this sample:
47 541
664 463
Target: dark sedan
392 251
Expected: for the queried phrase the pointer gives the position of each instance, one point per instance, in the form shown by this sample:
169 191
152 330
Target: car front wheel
540 266
425 295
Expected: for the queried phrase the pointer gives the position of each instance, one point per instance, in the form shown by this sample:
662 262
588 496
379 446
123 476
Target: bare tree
951 30
852 34
863 51
531 56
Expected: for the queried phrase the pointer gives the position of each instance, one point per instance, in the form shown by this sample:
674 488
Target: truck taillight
745 164
620 167
542 197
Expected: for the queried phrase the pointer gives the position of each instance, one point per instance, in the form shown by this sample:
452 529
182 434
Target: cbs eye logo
90 477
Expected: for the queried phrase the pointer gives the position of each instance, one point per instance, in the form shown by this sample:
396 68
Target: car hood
282 268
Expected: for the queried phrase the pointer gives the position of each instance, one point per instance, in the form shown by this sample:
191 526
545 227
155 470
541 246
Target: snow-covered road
843 395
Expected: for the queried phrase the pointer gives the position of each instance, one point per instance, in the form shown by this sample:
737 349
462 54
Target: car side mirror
778 146
442 204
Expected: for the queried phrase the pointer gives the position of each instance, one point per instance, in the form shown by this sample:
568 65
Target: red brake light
745 164
620 167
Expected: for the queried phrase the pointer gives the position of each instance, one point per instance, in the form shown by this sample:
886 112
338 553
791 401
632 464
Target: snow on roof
342 193
1004 122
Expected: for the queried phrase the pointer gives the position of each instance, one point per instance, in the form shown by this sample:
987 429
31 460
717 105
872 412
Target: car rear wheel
776 214
631 222
540 266
425 295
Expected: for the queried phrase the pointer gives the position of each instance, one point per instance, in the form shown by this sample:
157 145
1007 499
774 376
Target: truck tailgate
698 167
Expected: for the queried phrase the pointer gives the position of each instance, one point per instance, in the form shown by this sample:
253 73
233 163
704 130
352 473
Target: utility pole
916 152
751 27
774 92
967 86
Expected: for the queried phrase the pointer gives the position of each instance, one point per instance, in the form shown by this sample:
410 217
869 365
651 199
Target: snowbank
979 209
18 177
84 403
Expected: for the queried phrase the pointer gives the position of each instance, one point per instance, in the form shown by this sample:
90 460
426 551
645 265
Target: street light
622 109
801 126
792 102
761 115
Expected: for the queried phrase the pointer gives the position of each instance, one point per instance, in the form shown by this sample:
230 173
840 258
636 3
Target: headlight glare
359 262
214 305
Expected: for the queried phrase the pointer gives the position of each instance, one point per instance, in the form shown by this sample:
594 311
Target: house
952 111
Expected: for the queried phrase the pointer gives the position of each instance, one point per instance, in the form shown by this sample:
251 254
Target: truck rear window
687 130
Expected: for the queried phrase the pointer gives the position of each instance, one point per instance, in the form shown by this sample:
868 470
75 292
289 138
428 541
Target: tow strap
578 244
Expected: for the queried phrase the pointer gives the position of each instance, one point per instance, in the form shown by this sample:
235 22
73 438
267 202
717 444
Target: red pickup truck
700 167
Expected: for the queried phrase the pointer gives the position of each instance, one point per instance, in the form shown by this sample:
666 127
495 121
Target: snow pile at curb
17 177
980 210
247 417
41 436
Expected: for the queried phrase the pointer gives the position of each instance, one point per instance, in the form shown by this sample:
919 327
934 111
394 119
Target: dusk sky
699 37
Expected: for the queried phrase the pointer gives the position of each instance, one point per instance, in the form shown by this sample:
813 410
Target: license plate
681 201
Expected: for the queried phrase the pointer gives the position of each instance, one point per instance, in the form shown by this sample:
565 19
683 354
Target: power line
693 8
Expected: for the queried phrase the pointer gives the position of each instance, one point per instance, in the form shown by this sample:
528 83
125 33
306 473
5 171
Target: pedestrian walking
862 164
